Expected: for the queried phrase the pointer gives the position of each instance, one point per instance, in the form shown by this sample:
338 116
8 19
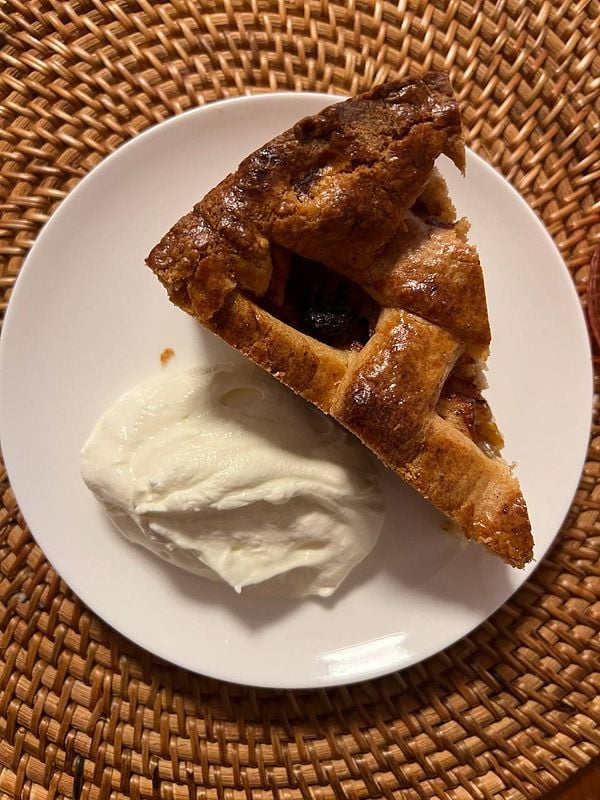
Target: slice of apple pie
332 257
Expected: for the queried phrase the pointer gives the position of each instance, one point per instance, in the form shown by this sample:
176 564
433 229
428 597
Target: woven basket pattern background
504 714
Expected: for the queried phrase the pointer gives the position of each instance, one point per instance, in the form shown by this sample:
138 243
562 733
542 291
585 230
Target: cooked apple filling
317 301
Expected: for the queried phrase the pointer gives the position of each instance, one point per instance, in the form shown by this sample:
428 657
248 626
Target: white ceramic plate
88 320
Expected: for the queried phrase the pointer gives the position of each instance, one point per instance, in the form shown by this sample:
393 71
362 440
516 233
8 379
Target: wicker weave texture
504 714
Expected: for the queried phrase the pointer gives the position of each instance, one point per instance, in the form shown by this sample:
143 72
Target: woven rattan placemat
507 712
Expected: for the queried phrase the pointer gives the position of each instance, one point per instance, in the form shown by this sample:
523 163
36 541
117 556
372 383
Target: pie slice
332 258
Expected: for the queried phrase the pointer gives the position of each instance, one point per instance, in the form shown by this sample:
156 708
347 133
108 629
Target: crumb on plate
166 355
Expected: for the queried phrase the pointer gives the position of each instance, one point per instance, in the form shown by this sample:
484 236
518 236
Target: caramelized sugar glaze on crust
332 258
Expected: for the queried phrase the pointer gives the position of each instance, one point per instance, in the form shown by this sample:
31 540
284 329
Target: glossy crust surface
354 188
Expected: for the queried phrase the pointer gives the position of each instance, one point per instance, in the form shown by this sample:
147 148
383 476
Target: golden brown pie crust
354 189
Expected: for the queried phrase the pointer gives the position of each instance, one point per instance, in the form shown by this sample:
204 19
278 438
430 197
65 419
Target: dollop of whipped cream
224 472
